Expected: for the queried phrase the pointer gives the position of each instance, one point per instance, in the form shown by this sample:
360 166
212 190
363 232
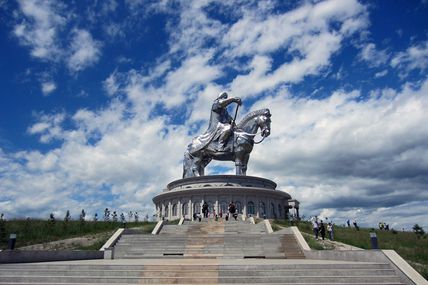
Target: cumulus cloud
39 29
84 50
307 33
48 127
44 27
414 58
373 56
347 154
48 87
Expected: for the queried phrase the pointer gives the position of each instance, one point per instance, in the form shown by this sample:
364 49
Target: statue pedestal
253 196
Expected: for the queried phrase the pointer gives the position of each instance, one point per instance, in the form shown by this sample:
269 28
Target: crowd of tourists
383 226
231 213
320 229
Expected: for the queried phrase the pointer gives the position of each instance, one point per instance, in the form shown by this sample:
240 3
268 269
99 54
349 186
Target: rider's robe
220 120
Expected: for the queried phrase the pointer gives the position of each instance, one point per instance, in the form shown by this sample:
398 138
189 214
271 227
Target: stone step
197 280
199 273
282 283
165 265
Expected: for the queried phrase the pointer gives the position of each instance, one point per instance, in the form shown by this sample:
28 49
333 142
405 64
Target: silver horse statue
237 148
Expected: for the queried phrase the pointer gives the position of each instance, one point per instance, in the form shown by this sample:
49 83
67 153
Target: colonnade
247 206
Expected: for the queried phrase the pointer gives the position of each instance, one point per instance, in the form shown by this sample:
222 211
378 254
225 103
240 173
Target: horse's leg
245 160
238 162
188 165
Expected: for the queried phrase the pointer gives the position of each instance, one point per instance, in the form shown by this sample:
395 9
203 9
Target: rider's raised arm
225 102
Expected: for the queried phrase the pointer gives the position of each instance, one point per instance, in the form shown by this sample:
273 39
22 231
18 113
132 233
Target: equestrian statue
224 140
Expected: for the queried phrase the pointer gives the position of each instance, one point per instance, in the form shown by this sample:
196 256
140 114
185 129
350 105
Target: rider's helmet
222 95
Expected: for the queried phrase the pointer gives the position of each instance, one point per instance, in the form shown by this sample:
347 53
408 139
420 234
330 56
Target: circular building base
253 196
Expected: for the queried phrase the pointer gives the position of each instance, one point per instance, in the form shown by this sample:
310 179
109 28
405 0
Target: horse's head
264 122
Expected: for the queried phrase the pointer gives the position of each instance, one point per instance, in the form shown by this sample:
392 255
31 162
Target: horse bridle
254 135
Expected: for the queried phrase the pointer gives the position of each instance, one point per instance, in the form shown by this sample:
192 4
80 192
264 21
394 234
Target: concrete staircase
210 239
207 252
199 271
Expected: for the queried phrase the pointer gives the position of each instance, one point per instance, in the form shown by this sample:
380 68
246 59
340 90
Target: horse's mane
251 115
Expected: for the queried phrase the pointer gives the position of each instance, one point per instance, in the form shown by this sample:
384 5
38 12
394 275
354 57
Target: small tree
114 216
3 235
95 217
82 218
67 216
136 217
418 230
106 215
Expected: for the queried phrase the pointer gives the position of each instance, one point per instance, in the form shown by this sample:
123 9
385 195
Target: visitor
226 217
315 227
232 208
355 225
205 209
322 230
195 216
348 223
330 231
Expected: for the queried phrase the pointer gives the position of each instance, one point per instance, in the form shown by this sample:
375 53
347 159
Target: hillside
412 248
79 234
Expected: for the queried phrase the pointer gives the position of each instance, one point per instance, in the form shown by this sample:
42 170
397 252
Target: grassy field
40 231
411 247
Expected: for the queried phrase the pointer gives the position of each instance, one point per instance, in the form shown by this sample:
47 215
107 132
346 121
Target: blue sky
99 100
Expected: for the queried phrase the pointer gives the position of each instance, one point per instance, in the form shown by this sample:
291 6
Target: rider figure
220 120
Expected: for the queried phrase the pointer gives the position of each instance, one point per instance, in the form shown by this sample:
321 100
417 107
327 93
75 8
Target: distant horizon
99 100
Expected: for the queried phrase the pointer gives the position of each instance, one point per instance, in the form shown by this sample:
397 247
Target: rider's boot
222 141
221 145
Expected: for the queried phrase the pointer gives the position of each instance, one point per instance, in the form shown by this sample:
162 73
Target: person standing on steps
205 209
232 209
322 230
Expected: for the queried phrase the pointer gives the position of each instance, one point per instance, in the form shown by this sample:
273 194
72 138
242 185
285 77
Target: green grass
39 231
412 248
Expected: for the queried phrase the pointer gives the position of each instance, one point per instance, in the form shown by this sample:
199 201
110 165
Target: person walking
205 209
330 231
355 225
315 227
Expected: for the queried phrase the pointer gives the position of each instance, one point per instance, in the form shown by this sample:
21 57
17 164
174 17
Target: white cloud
381 73
110 84
373 56
43 26
39 30
306 33
48 87
415 57
346 154
84 50
48 127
